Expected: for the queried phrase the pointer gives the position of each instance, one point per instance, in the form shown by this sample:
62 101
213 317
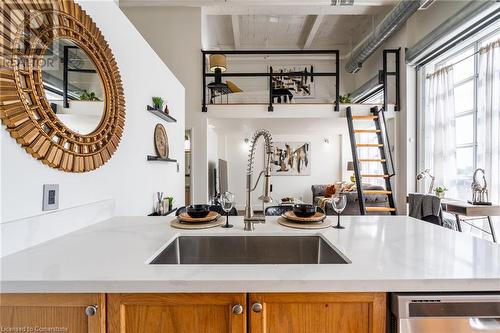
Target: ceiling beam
251 3
312 32
236 31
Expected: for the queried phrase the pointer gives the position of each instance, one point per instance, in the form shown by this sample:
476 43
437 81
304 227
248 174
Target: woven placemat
184 217
192 226
290 215
313 225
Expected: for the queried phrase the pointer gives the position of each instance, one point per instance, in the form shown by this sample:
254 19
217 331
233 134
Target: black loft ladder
377 116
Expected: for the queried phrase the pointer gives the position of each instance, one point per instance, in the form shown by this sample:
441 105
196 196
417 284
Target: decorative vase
440 195
166 110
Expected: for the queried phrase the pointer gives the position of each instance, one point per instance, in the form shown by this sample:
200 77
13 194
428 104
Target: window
376 98
465 79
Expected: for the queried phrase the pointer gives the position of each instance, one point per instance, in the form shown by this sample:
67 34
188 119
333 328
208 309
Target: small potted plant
158 103
440 191
170 202
345 99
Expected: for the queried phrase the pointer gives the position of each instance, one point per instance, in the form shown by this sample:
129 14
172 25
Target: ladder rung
367 131
375 176
380 209
365 117
369 145
377 192
372 160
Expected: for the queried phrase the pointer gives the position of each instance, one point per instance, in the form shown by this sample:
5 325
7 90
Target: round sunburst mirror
62 96
73 86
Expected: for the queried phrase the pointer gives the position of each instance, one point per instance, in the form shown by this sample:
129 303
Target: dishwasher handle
485 324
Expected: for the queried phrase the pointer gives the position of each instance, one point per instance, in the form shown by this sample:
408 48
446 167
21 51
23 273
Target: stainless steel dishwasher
445 312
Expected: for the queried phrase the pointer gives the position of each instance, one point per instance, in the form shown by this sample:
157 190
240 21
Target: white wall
328 160
176 35
123 186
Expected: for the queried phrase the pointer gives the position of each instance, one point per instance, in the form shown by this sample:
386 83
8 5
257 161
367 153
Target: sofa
352 207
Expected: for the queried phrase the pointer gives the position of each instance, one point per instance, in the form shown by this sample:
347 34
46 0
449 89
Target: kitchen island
387 253
102 273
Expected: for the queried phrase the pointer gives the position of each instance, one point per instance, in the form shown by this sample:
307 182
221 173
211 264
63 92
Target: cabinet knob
237 309
256 307
91 310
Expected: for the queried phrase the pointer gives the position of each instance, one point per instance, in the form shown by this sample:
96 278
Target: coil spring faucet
249 218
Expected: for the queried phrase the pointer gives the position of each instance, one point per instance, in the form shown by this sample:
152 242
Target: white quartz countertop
390 253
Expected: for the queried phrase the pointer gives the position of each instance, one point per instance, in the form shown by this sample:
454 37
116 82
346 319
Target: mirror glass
73 86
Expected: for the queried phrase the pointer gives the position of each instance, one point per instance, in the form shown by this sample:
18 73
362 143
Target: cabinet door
75 313
176 313
317 312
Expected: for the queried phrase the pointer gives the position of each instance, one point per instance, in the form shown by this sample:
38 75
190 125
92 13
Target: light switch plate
50 197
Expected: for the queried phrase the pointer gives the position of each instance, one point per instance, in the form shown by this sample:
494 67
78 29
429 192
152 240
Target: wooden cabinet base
318 312
196 313
53 313
176 313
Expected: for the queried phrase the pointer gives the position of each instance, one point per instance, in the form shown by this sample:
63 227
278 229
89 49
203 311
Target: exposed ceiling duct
391 22
469 15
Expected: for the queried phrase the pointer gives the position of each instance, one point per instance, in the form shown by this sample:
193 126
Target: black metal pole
270 108
65 77
397 107
204 88
337 81
384 70
354 150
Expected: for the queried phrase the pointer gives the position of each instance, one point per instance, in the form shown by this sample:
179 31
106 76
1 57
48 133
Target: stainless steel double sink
226 250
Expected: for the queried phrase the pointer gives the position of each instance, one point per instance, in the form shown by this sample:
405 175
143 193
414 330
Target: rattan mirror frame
28 27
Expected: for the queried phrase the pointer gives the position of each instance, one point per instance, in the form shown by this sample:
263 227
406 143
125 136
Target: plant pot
440 195
158 107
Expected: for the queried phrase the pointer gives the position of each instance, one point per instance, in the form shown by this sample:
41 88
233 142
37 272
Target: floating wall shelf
161 114
164 214
156 158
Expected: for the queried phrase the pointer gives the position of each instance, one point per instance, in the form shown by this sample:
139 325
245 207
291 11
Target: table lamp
218 65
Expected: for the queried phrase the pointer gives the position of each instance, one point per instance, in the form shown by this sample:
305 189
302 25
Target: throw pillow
234 88
329 191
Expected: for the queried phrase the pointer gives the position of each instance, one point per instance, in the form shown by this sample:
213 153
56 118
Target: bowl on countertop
198 211
304 210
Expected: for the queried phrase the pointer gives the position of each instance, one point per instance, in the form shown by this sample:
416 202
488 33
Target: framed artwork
300 86
291 159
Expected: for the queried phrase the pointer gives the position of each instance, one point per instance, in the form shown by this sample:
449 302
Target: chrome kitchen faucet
249 218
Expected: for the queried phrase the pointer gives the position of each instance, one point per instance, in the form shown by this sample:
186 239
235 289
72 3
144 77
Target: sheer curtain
440 132
488 117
